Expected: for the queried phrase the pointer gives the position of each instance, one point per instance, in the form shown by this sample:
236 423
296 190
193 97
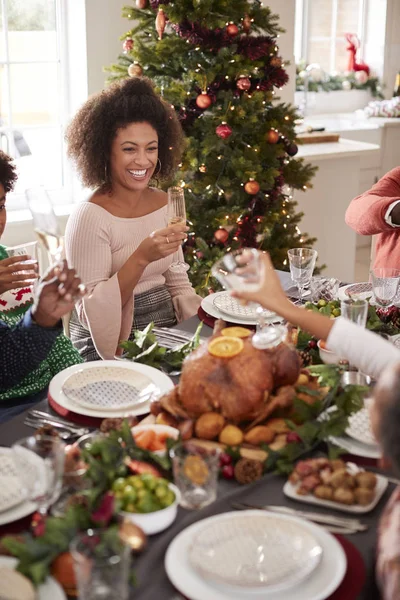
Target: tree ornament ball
141 3
292 149
203 101
272 136
221 235
135 70
232 29
246 23
223 131
346 85
252 187
243 83
127 45
161 20
276 61
203 169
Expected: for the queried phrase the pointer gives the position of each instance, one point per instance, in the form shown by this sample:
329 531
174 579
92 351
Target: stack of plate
359 439
14 504
110 388
222 306
237 556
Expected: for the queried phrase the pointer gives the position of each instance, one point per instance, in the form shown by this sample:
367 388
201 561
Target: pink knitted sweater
98 244
366 215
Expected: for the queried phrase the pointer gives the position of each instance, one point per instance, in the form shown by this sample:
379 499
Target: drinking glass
385 284
29 249
40 462
195 474
177 214
302 263
101 564
45 223
243 270
355 310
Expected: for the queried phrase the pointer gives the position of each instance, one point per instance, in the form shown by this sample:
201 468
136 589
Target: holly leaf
335 452
306 412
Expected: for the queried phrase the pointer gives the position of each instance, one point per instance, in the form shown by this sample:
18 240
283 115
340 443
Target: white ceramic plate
255 552
228 305
355 447
360 428
362 291
209 307
11 492
325 579
290 491
161 381
50 590
20 509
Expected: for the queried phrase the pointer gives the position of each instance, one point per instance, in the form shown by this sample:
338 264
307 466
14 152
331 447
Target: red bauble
161 20
292 149
221 235
223 131
127 45
252 187
276 61
272 136
203 101
246 23
232 29
243 83
141 3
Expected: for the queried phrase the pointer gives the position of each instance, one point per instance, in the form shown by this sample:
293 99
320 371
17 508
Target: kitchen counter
344 148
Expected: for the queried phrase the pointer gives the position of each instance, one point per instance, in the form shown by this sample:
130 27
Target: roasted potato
278 425
259 435
209 426
363 496
337 464
186 429
324 492
366 480
343 495
231 435
342 479
164 418
302 379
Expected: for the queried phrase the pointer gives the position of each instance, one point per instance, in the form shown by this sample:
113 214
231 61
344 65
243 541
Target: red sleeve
366 213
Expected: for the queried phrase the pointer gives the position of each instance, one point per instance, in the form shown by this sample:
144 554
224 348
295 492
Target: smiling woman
119 240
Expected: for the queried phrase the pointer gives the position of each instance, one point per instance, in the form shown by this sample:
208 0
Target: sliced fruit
238 332
137 466
196 469
225 347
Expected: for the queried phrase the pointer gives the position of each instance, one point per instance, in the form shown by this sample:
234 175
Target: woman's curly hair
92 130
8 173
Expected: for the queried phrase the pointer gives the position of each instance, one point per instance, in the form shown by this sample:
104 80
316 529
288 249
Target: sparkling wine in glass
45 223
177 215
302 263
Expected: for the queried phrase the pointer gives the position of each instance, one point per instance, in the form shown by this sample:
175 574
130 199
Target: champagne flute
177 214
302 262
45 223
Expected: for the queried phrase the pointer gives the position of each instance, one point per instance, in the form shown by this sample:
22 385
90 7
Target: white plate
225 303
162 382
17 511
355 447
108 388
325 579
360 428
255 552
362 291
49 590
290 491
209 307
11 492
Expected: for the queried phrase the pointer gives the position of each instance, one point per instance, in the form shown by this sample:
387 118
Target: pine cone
46 431
305 357
248 470
78 500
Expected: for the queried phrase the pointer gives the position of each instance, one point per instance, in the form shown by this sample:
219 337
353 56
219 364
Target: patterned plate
108 388
360 428
254 552
361 291
11 491
232 307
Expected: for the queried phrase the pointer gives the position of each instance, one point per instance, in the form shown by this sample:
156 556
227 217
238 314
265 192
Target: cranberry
312 344
228 472
293 437
225 459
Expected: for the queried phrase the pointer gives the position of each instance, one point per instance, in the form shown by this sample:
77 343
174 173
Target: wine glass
243 270
40 463
177 214
385 284
45 222
302 263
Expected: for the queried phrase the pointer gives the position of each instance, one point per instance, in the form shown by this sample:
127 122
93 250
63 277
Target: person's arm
367 213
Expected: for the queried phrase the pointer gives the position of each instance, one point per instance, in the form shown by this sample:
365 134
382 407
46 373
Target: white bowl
327 356
158 520
172 432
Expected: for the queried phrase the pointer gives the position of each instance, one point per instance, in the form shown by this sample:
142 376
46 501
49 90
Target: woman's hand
161 243
14 274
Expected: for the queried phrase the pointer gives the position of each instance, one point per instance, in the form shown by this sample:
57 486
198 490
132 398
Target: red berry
312 344
292 437
228 472
225 459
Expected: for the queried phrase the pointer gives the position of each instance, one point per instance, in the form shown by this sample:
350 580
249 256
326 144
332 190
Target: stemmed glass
40 463
45 222
385 284
243 270
302 262
177 214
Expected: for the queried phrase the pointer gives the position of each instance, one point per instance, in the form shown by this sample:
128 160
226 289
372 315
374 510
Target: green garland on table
338 82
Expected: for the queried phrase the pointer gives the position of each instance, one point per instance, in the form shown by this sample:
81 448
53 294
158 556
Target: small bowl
327 356
355 378
172 432
158 520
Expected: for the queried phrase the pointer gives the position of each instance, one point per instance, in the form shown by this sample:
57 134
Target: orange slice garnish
238 332
196 470
225 347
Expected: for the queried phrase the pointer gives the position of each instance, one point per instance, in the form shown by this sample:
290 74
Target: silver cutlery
54 422
65 434
175 334
39 414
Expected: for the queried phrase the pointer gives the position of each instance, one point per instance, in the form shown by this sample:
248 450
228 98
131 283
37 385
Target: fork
33 421
63 433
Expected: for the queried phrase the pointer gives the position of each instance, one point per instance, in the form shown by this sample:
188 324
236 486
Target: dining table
152 582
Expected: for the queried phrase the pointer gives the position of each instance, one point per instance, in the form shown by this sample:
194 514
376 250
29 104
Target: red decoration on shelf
243 83
223 131
252 187
276 61
232 29
272 136
141 3
246 23
353 45
203 101
161 20
221 235
127 45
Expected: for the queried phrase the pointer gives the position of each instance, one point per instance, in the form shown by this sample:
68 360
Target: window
32 93
321 26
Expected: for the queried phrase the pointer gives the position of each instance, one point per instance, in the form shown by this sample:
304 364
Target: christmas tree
218 63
